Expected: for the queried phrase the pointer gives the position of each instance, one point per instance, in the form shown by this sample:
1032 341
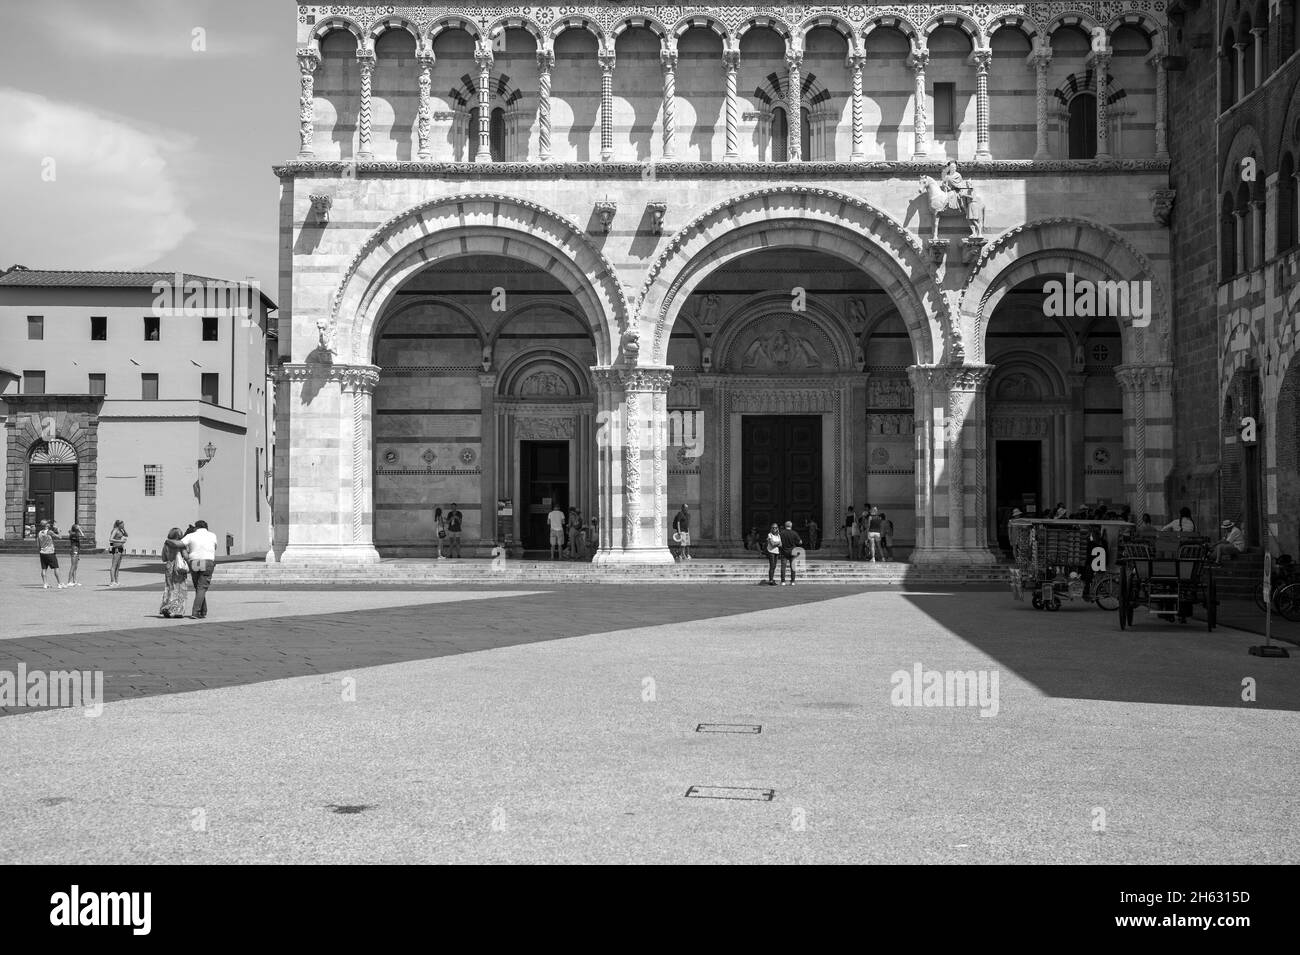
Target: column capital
425 59
366 60
606 61
1150 376
1040 57
793 57
668 58
731 60
970 378
361 379
487 379
546 60
856 60
1098 58
981 58
1239 47
308 60
484 58
918 59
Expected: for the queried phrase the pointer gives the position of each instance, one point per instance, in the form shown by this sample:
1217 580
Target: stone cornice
361 378
989 169
951 377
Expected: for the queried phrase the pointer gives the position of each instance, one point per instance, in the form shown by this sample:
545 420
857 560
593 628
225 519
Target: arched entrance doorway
52 482
1055 410
483 402
1240 469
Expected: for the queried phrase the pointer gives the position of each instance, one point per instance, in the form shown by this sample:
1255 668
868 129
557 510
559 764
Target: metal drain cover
347 810
731 792
729 728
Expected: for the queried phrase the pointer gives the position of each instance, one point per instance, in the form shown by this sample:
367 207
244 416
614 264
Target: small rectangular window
945 109
99 328
35 328
99 384
149 387
209 386
33 382
152 480
209 328
152 328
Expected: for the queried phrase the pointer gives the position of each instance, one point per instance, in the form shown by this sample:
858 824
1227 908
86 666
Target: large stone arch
1052 246
476 223
818 219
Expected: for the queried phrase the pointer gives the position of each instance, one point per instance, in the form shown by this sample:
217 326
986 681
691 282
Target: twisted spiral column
794 103
606 106
1162 99
484 59
730 63
857 60
917 60
545 63
1102 64
1040 60
424 61
668 59
366 61
308 61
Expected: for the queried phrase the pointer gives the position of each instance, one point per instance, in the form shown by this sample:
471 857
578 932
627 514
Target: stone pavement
559 725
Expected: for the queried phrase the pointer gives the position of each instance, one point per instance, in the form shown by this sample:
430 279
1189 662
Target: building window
1227 240
208 387
35 328
33 382
99 328
497 134
780 135
152 328
209 328
152 480
945 109
149 387
99 384
1083 126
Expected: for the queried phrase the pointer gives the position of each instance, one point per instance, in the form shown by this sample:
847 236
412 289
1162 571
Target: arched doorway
484 401
52 482
1240 469
1055 411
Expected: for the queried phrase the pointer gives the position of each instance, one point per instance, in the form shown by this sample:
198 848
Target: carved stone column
1239 229
1261 54
794 104
328 463
731 63
545 63
856 61
1158 62
917 60
308 61
1147 391
366 61
1256 233
668 59
606 106
1039 61
487 458
1101 67
922 378
982 58
424 61
1241 70
483 59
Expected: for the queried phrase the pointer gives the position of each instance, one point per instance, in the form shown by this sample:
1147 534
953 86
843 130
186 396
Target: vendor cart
1170 577
1055 561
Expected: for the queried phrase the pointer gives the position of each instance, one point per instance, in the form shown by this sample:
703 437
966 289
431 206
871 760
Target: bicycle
1285 598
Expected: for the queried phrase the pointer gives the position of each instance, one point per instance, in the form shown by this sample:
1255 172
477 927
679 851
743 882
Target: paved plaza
509 724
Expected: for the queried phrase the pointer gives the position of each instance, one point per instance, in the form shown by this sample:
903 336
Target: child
49 559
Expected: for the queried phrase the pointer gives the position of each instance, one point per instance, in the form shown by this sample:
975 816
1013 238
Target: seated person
1232 544
1183 523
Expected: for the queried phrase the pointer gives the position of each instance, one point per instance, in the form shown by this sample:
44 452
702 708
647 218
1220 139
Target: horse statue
943 201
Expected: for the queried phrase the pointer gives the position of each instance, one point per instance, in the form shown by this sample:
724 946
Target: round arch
961 21
516 22
516 312
53 451
776 24
1022 361
701 20
459 310
1052 246
384 24
1245 143
1072 18
832 22
819 219
1024 24
569 373
576 22
452 226
623 24
330 24
761 306
452 22
896 22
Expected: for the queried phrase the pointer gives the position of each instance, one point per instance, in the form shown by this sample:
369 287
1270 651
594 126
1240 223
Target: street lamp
210 451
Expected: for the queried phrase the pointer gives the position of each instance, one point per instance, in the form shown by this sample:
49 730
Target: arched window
1227 239
1083 126
1245 259
1286 204
497 134
780 135
805 134
1227 72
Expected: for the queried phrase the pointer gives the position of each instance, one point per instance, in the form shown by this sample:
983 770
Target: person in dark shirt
789 541
682 531
454 519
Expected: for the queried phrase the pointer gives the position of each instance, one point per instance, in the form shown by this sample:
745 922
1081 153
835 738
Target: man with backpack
789 541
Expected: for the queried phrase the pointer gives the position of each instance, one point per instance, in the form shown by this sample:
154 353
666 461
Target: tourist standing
439 530
200 550
851 533
49 559
454 521
887 536
813 532
117 539
175 570
76 537
772 547
874 528
789 541
555 522
682 529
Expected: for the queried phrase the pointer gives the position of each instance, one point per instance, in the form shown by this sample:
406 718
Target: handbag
442 533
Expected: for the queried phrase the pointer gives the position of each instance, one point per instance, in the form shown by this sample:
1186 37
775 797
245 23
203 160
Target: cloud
85 189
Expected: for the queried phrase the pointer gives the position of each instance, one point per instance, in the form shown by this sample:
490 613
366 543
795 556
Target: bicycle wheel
1105 592
1287 602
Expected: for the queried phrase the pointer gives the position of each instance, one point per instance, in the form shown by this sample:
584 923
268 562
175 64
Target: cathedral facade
767 261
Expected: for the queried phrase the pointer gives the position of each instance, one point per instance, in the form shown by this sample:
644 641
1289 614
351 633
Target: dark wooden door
46 481
781 471
544 480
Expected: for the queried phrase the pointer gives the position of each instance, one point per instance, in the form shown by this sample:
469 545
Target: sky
140 134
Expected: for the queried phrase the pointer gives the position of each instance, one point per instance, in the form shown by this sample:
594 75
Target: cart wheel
1105 592
1288 602
1054 604
1211 602
1037 602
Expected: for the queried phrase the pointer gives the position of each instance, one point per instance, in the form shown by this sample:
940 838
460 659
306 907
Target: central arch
806 218
479 223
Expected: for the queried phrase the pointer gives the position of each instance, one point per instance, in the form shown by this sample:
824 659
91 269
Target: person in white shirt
200 550
555 520
1183 523
1232 544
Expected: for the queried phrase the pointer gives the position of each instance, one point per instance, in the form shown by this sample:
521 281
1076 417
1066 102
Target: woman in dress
116 544
439 530
175 570
76 537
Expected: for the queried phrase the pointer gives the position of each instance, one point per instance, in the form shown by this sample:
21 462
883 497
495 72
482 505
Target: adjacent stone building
624 257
